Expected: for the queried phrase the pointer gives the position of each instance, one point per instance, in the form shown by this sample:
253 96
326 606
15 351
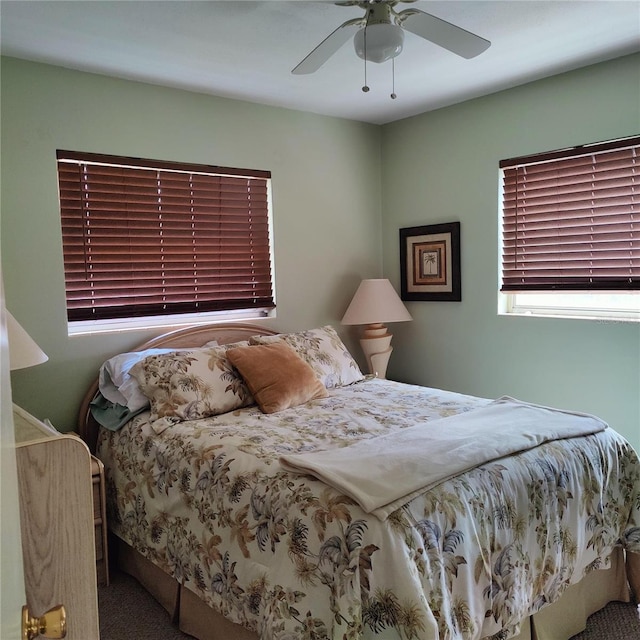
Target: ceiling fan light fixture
380 42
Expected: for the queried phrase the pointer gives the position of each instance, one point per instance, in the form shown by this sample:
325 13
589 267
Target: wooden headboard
180 339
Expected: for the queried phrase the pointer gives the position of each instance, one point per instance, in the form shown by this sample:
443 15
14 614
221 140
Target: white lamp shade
380 42
376 301
23 351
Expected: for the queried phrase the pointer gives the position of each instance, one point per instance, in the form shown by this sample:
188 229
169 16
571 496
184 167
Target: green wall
341 191
326 201
443 166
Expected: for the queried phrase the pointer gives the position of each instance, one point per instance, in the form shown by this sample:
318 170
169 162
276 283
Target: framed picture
430 262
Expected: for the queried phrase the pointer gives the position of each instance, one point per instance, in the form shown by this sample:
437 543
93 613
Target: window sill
605 307
570 315
93 327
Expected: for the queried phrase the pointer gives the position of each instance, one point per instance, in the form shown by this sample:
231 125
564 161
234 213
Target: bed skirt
559 621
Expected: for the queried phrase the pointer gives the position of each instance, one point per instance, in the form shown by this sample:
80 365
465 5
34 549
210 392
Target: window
571 231
144 238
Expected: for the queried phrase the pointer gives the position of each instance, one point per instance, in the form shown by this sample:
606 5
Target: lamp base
376 345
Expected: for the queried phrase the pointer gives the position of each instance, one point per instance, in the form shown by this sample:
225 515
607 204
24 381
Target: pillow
118 387
277 376
325 353
188 385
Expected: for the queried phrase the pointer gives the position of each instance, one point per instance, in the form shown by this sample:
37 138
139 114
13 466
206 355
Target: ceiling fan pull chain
393 79
365 88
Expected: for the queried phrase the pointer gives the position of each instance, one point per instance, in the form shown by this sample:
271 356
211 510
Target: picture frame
430 263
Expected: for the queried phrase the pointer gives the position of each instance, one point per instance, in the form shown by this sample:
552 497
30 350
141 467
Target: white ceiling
246 50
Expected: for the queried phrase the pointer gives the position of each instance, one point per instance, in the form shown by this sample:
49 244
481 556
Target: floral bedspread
291 558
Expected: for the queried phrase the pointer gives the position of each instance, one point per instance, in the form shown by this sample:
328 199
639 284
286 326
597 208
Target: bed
212 516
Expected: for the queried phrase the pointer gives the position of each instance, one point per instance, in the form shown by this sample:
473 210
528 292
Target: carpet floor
128 612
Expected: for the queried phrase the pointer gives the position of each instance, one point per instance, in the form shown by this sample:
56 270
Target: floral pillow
117 385
324 351
188 385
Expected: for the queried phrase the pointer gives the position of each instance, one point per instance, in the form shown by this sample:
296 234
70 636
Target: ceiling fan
379 34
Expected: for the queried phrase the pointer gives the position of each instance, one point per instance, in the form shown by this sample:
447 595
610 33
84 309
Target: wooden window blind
148 238
571 219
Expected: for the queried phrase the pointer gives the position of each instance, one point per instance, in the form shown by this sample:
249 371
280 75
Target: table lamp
23 351
374 303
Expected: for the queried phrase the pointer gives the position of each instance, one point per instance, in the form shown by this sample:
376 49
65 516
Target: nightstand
100 521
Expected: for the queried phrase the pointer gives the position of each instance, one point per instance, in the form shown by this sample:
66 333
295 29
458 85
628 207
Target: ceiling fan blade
328 47
443 33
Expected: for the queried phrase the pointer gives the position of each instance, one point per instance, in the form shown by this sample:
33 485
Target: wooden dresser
57 521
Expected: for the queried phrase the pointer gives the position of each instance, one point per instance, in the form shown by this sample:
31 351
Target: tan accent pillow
277 377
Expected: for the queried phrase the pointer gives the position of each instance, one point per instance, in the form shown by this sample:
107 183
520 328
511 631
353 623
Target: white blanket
385 472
